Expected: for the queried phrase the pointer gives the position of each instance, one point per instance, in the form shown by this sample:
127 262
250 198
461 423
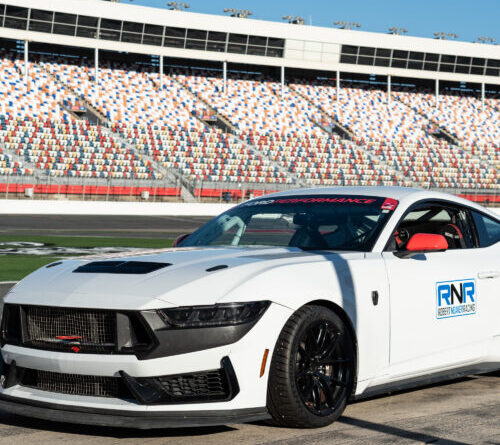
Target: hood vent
214 268
121 267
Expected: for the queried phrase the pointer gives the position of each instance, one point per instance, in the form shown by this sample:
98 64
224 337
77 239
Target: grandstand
111 101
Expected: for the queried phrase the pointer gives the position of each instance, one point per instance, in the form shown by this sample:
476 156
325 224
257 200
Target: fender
346 280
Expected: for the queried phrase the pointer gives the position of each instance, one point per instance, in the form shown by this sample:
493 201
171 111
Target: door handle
489 274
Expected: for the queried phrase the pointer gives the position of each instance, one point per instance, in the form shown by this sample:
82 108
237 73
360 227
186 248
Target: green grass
15 267
89 241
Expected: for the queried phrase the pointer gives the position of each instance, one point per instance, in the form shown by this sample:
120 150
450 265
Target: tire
312 370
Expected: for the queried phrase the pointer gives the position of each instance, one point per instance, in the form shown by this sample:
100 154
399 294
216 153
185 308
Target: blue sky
468 19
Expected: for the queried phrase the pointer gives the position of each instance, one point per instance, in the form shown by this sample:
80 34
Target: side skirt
428 379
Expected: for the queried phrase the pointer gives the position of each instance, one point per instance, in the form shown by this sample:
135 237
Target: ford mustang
285 307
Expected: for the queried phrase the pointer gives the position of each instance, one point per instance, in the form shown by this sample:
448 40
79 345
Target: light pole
294 20
445 36
176 6
397 31
346 25
240 13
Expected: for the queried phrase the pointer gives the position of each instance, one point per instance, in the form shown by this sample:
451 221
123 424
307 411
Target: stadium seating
208 155
462 115
393 142
323 160
39 96
74 149
129 94
254 103
401 137
8 167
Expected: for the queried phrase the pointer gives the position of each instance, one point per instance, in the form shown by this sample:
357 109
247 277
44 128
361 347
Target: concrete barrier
114 208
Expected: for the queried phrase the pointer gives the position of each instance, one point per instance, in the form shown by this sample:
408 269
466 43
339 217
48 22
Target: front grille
63 329
197 387
81 385
207 385
74 384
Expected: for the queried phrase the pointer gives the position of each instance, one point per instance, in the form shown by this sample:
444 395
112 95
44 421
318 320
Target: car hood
194 276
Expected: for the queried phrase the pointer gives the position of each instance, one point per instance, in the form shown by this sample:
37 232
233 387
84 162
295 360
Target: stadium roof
146 30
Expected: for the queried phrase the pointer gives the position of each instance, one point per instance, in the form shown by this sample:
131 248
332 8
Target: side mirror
179 239
426 242
423 242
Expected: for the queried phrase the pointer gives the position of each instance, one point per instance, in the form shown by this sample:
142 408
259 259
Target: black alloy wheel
312 370
321 370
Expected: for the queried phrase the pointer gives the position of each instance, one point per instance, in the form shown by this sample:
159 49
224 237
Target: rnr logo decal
456 298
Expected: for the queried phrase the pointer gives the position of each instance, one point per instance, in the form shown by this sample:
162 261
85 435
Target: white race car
284 307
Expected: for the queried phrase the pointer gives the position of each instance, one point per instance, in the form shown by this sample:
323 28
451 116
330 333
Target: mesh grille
74 384
64 328
209 385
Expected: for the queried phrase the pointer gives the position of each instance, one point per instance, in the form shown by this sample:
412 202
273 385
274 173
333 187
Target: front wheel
312 370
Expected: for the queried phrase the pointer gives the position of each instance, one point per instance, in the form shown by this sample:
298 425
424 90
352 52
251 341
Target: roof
398 193
386 192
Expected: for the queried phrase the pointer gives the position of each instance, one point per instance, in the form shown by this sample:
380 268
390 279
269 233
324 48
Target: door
436 303
488 236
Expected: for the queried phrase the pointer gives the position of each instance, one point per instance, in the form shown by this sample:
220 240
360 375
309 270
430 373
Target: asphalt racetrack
464 411
122 226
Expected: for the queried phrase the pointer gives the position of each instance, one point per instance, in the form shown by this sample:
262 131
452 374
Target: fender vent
121 267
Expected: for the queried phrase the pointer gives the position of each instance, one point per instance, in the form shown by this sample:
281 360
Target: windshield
324 222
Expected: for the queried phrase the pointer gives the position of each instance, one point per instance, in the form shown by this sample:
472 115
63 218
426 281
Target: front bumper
126 418
245 356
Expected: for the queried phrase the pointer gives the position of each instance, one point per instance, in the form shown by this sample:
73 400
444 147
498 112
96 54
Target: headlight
227 314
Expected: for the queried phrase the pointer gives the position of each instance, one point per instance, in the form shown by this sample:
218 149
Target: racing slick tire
312 370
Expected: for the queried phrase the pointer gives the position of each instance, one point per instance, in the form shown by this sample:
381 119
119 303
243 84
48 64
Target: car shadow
29 423
398 432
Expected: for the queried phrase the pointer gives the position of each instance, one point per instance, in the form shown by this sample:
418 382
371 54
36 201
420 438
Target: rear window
488 229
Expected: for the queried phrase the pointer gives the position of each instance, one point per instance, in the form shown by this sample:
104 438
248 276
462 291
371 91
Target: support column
388 89
482 96
338 85
161 72
282 81
26 59
96 64
437 93
224 68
